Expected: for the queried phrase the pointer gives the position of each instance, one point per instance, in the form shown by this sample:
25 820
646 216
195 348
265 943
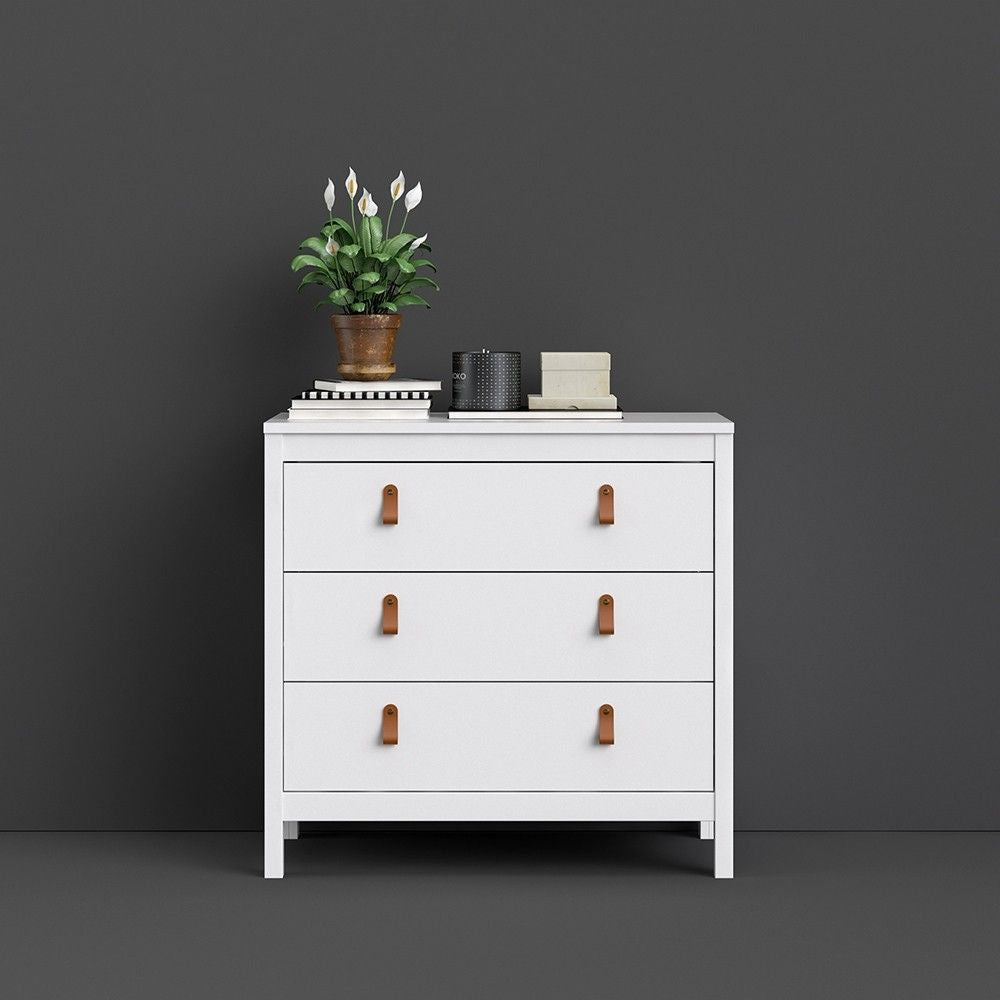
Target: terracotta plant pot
366 344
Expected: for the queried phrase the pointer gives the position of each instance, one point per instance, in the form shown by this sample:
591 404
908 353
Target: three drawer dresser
493 621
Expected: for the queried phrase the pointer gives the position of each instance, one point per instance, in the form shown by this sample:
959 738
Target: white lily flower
418 241
413 197
330 195
332 246
397 186
366 204
351 183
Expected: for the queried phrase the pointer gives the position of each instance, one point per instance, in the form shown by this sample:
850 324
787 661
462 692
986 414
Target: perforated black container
486 380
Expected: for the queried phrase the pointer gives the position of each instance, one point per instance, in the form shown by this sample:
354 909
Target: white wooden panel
488 737
724 657
274 844
475 447
660 424
498 626
499 807
498 516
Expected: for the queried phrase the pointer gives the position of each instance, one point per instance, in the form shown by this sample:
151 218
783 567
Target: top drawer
455 516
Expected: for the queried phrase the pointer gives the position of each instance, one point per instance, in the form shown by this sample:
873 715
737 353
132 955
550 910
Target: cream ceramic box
576 374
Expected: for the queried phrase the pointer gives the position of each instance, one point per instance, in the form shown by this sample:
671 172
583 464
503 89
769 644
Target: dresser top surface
439 423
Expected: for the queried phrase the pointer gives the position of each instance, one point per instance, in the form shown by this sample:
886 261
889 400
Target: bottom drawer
498 737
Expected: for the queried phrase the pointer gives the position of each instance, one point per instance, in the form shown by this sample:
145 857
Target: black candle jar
486 380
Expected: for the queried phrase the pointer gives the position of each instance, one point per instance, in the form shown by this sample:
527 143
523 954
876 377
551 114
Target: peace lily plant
368 270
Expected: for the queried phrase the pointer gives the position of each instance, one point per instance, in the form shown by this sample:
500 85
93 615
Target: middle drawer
498 626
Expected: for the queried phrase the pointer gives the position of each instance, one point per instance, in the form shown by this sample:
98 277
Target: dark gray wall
785 212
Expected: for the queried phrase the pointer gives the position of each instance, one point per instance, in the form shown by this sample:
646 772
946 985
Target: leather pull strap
390 615
606 725
606 504
390 725
390 504
606 615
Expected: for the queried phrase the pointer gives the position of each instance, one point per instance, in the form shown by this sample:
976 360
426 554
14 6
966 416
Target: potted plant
371 276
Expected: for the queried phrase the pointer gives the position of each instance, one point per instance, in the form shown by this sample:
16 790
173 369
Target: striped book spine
372 394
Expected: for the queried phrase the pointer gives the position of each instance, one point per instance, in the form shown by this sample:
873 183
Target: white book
358 414
366 394
361 404
535 414
345 385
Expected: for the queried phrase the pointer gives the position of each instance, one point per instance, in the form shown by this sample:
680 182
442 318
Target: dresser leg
274 851
723 851
706 830
291 829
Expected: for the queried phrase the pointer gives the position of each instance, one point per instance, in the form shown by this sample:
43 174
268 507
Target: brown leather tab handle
390 504
606 504
390 615
390 725
606 725
606 615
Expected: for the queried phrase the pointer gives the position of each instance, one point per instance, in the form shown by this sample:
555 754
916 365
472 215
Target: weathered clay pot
366 344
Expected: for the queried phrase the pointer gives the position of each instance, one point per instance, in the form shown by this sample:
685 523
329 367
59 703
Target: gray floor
479 914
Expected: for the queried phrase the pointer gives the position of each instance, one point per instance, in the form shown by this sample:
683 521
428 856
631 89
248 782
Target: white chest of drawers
462 622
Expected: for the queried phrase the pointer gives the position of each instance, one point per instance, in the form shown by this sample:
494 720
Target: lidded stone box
576 374
575 380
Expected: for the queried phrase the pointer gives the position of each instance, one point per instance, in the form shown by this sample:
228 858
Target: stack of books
338 399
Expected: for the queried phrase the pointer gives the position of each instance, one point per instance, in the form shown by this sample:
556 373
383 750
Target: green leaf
364 279
366 236
351 249
305 260
382 257
393 246
390 306
418 282
376 224
315 244
347 263
316 278
375 289
405 267
410 300
338 297
358 307
342 224
424 263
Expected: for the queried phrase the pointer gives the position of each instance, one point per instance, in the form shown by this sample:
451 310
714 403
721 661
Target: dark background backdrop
784 212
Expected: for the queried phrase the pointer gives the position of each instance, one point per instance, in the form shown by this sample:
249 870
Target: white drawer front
498 516
498 626
498 737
